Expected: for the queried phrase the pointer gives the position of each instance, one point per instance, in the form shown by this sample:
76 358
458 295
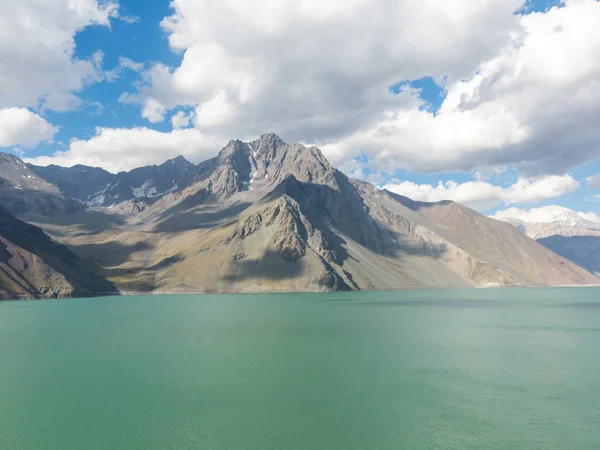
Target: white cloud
128 63
593 181
21 127
117 72
319 71
37 50
484 195
154 111
62 101
181 120
117 149
532 105
545 214
314 70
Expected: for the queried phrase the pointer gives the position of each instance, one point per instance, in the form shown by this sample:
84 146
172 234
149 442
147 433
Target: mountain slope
503 245
267 215
582 250
34 266
568 234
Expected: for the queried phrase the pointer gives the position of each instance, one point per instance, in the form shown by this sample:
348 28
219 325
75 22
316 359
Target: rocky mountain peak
235 149
267 145
265 162
178 161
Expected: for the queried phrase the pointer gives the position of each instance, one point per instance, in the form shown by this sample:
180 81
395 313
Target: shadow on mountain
271 266
163 264
45 208
189 202
108 254
344 210
80 274
582 250
413 204
141 279
88 221
207 216
335 212
30 201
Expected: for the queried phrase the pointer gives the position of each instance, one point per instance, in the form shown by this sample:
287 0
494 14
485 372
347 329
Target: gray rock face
79 182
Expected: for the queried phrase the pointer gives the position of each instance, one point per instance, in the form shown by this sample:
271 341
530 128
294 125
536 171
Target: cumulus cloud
484 195
545 214
21 127
532 105
181 120
37 50
117 149
521 89
314 70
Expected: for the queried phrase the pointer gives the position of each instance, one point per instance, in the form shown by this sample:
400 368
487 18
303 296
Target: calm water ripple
458 369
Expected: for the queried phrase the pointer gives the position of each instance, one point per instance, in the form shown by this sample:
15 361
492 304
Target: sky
492 103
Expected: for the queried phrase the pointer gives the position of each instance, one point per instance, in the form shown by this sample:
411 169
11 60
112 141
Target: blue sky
338 109
140 40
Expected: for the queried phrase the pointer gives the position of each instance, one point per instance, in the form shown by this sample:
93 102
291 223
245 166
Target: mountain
266 215
501 245
569 235
565 224
582 250
95 187
34 266
25 193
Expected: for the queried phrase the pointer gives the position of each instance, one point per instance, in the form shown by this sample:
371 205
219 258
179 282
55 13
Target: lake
430 369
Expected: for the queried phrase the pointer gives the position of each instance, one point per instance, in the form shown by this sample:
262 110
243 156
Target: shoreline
276 291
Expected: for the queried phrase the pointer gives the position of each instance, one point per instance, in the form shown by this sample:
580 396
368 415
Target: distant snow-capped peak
551 220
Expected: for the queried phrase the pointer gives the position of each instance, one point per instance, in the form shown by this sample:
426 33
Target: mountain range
265 216
565 224
569 235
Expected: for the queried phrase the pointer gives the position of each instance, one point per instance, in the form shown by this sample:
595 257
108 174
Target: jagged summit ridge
239 166
260 165
95 187
267 144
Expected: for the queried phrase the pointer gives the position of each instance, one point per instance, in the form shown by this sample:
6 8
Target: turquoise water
460 369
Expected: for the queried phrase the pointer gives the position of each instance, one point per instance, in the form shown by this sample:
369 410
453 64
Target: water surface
457 369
